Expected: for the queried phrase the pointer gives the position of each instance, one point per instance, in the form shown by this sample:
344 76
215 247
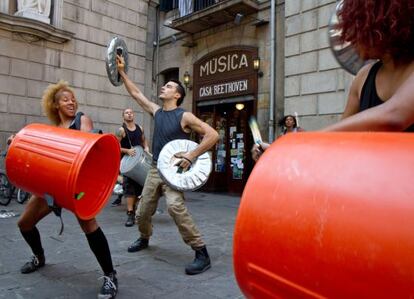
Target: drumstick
297 119
254 127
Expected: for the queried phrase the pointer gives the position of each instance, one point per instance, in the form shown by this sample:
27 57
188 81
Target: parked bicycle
8 190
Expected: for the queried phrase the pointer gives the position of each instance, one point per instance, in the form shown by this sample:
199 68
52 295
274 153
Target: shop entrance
232 162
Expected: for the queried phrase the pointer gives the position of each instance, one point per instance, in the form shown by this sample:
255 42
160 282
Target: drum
192 179
136 167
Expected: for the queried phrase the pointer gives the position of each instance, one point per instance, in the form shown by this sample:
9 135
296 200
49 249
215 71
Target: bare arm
396 114
86 124
133 90
144 141
210 137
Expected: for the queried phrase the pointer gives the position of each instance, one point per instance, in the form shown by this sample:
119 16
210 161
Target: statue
34 9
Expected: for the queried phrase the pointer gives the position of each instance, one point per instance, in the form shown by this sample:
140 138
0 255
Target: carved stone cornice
34 28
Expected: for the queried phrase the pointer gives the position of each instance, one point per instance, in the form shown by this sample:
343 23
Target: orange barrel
77 169
329 215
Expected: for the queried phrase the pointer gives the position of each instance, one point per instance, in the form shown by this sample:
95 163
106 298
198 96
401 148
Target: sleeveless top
167 127
369 97
131 138
76 122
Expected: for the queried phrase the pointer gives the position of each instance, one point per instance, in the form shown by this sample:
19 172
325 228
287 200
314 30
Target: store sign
226 72
223 88
224 64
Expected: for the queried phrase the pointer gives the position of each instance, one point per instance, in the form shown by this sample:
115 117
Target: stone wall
28 64
315 85
176 55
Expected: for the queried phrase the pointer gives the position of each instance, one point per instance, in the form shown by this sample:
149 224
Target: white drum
192 179
136 167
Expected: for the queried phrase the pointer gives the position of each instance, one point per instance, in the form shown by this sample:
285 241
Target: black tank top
369 97
76 122
167 127
134 136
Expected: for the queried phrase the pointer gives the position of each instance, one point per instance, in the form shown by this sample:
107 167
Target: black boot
201 262
117 201
37 262
138 245
131 219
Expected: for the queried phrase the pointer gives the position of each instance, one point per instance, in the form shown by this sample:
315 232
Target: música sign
226 72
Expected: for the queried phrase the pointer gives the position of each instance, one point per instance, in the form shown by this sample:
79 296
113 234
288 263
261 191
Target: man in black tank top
170 123
131 135
60 106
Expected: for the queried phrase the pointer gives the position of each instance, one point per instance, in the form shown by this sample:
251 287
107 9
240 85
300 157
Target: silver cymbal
345 53
115 46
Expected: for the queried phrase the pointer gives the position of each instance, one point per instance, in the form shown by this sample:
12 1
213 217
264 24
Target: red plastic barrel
329 215
77 169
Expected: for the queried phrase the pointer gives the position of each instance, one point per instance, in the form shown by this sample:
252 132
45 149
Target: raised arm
133 90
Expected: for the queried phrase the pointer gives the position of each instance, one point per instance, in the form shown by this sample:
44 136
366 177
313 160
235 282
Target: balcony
208 16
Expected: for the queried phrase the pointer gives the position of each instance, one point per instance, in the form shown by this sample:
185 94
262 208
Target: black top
369 97
167 127
76 122
131 138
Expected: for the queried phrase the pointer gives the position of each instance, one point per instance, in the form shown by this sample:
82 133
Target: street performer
381 97
131 135
60 106
170 123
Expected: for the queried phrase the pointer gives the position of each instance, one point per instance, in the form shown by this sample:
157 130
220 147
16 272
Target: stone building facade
34 54
220 48
316 86
308 81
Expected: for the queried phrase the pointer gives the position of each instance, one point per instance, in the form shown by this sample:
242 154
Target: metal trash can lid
190 180
129 162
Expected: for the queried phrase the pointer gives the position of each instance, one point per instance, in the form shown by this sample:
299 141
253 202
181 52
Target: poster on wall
220 163
237 154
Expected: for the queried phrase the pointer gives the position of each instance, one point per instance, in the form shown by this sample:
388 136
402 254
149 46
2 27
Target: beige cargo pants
154 187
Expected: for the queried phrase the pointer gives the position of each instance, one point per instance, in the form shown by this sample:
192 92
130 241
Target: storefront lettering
219 89
224 63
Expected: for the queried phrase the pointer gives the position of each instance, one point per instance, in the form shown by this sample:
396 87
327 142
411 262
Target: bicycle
7 189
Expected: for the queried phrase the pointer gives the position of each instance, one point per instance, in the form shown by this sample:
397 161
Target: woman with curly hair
381 97
60 105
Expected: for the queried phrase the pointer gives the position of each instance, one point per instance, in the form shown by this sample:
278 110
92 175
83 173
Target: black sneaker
117 202
200 264
109 287
131 219
138 245
37 262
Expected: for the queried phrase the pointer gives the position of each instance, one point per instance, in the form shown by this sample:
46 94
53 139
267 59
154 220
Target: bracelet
189 161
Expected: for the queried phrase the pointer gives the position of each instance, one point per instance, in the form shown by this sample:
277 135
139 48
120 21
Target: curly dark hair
385 26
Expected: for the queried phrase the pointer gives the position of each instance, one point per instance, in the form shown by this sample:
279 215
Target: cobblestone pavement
71 270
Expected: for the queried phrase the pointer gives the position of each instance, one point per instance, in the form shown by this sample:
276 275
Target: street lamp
186 79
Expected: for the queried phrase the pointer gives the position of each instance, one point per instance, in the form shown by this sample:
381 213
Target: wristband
189 161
